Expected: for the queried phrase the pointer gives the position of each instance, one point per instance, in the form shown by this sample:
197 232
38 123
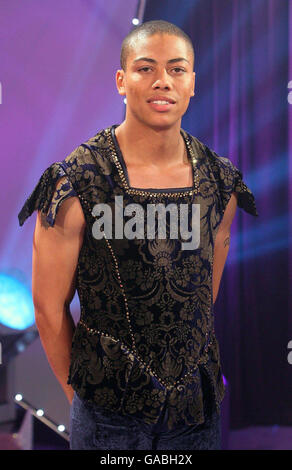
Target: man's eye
179 69
143 68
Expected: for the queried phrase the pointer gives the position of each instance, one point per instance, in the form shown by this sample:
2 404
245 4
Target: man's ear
120 82
194 81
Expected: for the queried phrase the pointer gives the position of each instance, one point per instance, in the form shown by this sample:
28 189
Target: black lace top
145 338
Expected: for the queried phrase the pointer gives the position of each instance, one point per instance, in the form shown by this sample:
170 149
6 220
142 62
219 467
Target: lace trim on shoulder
46 197
229 179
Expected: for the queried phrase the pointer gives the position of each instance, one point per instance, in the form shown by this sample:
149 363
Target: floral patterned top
145 338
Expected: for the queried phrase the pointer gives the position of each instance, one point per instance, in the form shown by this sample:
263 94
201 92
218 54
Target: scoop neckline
158 190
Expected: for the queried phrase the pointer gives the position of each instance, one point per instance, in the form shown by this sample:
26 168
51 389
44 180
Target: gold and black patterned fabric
145 337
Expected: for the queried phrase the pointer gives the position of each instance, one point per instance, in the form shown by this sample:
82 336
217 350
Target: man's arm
222 242
54 262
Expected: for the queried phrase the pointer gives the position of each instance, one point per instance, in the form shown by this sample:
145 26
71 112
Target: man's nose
162 80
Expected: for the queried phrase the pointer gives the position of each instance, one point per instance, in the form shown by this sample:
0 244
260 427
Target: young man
143 361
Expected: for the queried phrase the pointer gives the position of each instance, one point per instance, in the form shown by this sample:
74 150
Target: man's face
158 67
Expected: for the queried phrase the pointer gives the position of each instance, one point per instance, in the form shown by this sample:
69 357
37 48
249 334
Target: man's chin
162 123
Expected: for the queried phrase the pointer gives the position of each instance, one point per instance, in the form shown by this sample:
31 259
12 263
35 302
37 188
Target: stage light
20 346
16 306
17 322
135 21
40 414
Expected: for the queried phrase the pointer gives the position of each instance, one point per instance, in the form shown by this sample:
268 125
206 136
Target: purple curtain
58 61
57 77
241 110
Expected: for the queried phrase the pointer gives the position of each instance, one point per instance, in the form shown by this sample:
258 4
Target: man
143 361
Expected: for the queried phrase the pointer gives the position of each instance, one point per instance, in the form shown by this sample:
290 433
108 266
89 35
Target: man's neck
141 144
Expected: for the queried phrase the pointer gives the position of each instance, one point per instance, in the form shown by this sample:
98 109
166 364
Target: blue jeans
92 428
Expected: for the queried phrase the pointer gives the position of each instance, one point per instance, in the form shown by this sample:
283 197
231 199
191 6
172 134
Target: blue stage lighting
16 305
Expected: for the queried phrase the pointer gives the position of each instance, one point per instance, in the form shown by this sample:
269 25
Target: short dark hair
149 29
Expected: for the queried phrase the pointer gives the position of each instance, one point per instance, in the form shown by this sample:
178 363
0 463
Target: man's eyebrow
171 61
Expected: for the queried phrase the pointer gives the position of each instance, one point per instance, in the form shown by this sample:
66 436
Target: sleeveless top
145 339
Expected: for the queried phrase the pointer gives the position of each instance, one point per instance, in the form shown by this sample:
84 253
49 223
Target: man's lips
160 103
161 98
160 107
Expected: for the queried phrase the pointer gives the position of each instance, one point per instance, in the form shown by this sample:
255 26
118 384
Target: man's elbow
48 312
223 238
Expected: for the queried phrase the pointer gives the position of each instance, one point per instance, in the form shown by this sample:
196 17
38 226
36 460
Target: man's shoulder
207 155
93 152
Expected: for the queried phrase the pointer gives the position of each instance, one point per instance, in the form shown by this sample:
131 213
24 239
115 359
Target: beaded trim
153 194
203 359
123 292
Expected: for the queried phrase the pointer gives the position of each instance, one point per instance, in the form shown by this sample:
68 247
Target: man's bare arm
222 243
54 262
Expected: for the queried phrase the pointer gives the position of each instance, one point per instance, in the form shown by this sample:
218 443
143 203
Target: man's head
149 29
157 60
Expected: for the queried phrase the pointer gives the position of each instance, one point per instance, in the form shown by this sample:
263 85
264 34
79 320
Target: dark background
241 111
